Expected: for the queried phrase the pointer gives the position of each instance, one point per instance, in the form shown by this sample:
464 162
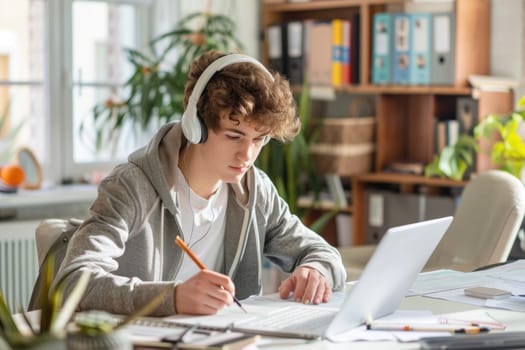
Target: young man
196 179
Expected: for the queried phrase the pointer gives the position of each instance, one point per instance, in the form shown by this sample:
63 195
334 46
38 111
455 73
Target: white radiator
18 262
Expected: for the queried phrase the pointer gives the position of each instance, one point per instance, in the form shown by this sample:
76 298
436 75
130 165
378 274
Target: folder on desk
443 47
401 48
276 45
294 52
381 57
421 44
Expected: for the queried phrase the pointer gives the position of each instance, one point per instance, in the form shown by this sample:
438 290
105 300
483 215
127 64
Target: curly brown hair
241 91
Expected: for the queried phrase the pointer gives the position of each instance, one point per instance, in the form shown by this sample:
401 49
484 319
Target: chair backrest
485 225
52 238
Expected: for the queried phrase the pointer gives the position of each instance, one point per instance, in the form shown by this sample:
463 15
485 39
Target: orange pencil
199 263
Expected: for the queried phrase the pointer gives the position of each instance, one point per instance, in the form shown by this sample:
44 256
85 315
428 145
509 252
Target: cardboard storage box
345 146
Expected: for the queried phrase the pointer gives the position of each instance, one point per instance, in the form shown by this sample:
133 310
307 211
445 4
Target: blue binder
420 69
401 44
381 59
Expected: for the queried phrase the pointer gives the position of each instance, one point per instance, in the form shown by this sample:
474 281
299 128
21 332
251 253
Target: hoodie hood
159 159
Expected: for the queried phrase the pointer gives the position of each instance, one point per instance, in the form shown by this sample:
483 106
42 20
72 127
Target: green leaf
321 222
7 321
69 307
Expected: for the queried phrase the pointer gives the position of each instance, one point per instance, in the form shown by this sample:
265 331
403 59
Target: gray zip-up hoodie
128 242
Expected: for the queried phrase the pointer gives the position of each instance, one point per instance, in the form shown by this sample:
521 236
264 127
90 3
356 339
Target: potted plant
156 87
54 316
90 330
290 166
454 160
507 150
99 330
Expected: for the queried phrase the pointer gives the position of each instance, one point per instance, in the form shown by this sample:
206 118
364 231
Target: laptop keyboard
295 319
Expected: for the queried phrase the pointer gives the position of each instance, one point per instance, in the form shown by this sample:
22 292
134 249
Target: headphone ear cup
190 127
203 129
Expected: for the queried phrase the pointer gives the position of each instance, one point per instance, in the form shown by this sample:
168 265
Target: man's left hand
307 285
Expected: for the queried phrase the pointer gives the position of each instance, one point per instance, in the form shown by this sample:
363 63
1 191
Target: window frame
60 89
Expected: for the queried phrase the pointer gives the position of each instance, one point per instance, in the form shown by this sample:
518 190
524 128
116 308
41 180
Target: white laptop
390 272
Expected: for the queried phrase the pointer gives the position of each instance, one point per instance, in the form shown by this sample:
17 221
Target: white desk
515 321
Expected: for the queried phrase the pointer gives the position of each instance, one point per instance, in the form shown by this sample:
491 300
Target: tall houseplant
290 166
156 87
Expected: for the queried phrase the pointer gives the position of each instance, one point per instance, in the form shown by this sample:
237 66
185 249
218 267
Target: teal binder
402 48
381 59
420 69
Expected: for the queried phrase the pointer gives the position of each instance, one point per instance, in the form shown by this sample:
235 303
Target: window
57 60
22 77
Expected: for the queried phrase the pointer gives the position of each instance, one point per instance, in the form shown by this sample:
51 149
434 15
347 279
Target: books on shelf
446 134
295 52
382 48
324 202
414 168
416 48
335 187
443 49
420 27
492 83
319 60
327 51
402 46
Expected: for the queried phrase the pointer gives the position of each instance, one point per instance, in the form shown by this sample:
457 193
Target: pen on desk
487 324
199 263
426 328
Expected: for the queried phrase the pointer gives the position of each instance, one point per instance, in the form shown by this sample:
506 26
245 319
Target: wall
508 41
244 12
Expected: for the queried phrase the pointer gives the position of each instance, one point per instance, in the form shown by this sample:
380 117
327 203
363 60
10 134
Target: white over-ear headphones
193 125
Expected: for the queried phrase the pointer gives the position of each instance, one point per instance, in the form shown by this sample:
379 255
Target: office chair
52 238
485 226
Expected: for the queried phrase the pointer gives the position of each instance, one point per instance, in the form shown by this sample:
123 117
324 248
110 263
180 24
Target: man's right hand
204 294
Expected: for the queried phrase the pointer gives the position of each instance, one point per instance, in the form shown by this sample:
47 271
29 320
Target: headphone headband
193 126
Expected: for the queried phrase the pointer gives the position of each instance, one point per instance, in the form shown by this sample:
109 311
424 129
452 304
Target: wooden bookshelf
406 115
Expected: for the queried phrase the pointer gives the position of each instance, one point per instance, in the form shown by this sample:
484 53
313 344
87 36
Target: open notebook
395 264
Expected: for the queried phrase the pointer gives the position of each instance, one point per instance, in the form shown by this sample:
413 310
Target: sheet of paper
400 316
441 280
336 299
514 303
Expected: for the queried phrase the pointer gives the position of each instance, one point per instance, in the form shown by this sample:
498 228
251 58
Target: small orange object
12 175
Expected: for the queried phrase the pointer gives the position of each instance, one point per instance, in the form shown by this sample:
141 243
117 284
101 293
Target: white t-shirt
202 226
